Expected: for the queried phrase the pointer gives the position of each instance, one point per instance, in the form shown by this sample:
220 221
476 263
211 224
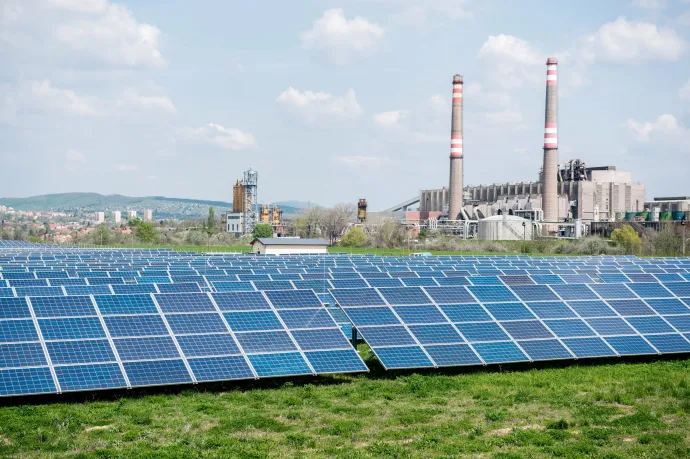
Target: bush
263 230
627 237
195 237
354 238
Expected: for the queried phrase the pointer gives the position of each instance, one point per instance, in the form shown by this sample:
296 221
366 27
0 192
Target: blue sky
333 101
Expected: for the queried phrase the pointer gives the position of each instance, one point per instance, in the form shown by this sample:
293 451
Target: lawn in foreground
606 410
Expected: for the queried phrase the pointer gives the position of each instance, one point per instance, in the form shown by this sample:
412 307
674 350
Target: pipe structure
550 171
455 186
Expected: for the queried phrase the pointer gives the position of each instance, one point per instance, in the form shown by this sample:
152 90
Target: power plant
563 202
246 211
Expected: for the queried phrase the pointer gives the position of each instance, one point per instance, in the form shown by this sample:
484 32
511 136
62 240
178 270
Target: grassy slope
607 410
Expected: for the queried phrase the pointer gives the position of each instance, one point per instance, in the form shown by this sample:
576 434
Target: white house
288 245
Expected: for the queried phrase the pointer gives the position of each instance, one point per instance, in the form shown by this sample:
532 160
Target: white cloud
66 100
131 98
391 119
74 156
666 124
649 4
84 6
684 92
361 161
221 137
507 116
633 41
511 49
315 105
120 167
439 103
110 33
341 38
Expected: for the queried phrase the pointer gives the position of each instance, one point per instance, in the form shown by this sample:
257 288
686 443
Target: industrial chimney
455 187
550 171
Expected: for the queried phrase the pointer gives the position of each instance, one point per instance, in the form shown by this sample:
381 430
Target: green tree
354 238
146 232
263 230
627 237
211 222
102 235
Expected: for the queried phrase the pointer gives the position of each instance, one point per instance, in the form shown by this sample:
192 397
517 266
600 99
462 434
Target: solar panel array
74 319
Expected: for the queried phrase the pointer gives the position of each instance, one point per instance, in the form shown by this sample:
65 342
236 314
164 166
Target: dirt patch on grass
501 432
6 441
92 428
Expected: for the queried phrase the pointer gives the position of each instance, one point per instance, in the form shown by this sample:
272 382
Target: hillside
162 206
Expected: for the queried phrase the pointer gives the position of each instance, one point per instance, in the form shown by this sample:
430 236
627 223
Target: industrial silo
505 228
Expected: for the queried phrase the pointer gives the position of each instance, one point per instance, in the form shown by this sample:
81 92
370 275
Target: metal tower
251 217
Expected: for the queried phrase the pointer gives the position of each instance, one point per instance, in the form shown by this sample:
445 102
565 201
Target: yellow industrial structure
362 211
271 215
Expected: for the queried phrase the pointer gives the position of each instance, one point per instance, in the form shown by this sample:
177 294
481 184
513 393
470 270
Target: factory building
586 193
289 246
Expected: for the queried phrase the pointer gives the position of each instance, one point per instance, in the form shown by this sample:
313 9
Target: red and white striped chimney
455 188
550 172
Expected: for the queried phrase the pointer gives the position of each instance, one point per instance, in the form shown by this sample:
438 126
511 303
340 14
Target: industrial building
562 202
289 246
244 216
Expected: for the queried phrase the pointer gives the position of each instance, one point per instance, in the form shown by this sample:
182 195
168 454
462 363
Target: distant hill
162 206
296 204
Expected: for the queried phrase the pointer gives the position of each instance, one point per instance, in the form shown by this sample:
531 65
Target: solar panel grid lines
174 338
43 346
110 340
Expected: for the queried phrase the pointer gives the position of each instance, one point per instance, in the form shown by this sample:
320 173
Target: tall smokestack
550 184
455 187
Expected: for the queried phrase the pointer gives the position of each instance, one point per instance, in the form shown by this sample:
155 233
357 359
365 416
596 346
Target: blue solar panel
450 295
465 313
404 295
196 323
446 281
357 297
649 290
157 372
179 287
337 361
371 316
320 339
611 326
16 308
60 306
534 293
509 311
631 307
17 331
349 283
125 304
419 314
670 343
547 279
502 352
284 364
650 324
22 355
436 334
569 328
185 302
159 347
240 301
641 277
89 377
679 288
592 308
630 345
551 310
482 331
403 357
84 351
667 306
681 323
131 326
485 280
574 292
253 321
547 349
24 381
39 291
516 280
258 342
131 289
453 355
220 368
387 336
207 345
612 291
384 282
233 286
6 292
526 329
273 285
290 299
71 328
88 290
306 318
492 294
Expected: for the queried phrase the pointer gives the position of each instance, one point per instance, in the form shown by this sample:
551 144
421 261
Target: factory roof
289 241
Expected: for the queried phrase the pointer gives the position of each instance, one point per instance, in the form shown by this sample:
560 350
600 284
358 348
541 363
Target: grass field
610 410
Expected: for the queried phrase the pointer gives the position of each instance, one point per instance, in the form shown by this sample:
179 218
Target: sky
332 101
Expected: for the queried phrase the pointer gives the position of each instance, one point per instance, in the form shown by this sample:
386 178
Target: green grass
609 410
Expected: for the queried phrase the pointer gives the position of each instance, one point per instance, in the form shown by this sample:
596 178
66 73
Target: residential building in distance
148 215
132 214
100 217
117 216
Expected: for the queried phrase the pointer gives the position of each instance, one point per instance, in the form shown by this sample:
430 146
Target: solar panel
185 302
449 295
492 294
